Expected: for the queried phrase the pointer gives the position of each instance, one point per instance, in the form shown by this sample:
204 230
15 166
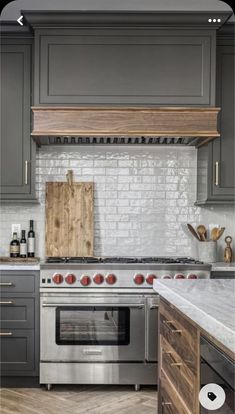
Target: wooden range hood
124 125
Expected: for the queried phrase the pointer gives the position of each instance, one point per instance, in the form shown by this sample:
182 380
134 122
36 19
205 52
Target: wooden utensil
69 218
201 231
214 233
193 231
228 253
220 232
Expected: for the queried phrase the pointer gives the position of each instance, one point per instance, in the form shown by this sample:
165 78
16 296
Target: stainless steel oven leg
137 387
48 387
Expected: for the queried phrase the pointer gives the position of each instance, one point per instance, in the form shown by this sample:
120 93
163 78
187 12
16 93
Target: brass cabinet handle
6 302
26 173
6 333
166 403
176 364
6 284
216 173
168 323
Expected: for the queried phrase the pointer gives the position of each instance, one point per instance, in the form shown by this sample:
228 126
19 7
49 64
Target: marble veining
209 303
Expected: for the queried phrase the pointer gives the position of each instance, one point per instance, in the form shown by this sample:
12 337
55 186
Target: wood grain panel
184 342
180 375
170 402
69 219
125 121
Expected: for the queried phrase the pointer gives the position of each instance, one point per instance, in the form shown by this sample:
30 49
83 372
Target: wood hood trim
200 123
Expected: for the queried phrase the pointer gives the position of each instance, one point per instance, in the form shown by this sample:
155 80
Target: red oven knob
150 279
70 279
58 278
98 278
139 279
111 279
192 276
179 276
166 277
85 280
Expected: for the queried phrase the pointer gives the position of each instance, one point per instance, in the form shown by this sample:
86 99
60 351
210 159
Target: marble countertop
19 266
209 303
223 267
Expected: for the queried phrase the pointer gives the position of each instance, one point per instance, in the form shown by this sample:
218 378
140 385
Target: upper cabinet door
223 147
17 150
158 67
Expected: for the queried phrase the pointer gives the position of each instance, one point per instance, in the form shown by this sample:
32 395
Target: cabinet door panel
215 169
17 148
223 148
17 351
151 68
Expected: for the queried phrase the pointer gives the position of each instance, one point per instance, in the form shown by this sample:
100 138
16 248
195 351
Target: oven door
98 328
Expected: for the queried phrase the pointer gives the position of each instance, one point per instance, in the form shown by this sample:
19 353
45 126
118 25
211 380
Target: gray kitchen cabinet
18 150
128 66
216 180
19 324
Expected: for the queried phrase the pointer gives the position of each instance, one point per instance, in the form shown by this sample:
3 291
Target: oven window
92 325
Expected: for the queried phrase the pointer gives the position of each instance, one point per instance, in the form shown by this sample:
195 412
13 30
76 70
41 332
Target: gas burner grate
114 259
73 260
120 260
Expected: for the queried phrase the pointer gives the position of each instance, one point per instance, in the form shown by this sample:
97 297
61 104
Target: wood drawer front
181 335
179 374
17 351
16 313
17 283
170 402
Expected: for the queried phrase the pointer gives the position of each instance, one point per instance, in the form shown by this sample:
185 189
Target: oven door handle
121 305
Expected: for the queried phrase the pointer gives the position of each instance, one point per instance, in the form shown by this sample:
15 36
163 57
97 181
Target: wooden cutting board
69 219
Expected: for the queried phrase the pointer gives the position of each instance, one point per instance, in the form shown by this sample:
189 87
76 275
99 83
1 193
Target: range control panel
118 278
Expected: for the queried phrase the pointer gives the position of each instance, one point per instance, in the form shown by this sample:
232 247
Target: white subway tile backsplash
143 198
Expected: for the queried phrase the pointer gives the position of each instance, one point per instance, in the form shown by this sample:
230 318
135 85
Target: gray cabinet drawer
17 351
16 283
16 313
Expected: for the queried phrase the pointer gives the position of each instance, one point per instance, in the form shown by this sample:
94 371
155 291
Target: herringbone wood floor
79 400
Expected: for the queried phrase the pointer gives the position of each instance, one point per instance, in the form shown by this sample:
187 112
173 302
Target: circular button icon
212 396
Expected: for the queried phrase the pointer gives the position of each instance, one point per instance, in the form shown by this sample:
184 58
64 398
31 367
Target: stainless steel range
99 317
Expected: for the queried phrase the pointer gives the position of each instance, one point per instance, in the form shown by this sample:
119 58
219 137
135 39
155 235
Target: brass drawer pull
6 333
168 323
6 302
6 284
166 403
26 173
216 173
176 364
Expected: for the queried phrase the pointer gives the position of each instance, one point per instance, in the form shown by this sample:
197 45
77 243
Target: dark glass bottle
15 246
23 245
31 240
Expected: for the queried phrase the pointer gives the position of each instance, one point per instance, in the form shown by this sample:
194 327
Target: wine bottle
15 246
31 240
23 245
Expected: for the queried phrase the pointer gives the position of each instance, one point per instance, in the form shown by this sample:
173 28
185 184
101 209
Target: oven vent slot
76 140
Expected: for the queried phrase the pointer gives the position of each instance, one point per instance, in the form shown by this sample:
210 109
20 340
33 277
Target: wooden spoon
214 233
201 230
220 232
191 229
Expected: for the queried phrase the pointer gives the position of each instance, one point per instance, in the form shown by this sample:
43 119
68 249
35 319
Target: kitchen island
191 311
